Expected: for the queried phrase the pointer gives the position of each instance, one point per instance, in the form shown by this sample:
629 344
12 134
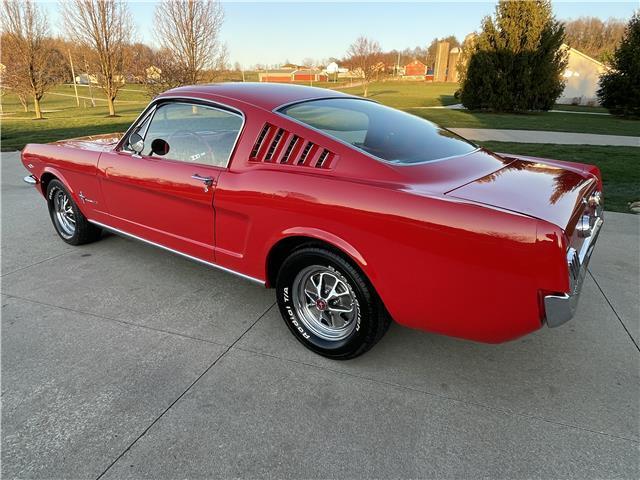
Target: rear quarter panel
439 265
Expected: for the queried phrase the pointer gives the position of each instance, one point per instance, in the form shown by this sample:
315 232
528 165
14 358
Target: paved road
123 361
536 136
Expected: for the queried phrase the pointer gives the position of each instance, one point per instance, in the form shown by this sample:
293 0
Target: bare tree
594 37
104 26
365 55
28 51
189 31
164 74
14 74
139 59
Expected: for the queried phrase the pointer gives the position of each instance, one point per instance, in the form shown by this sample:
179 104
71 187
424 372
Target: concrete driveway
122 361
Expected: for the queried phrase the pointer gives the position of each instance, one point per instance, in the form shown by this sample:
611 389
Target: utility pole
86 68
73 76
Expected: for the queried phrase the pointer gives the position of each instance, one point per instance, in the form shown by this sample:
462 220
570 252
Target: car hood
540 190
98 143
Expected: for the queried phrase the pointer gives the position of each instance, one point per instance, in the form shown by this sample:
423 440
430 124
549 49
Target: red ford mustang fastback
354 212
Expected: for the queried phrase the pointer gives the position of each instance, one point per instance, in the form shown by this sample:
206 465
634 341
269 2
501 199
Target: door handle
208 181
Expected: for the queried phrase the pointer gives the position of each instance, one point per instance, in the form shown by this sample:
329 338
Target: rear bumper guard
559 309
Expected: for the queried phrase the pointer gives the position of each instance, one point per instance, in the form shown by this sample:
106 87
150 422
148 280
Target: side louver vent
287 153
277 145
274 145
305 153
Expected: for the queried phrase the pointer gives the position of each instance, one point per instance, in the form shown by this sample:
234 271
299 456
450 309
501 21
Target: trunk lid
544 191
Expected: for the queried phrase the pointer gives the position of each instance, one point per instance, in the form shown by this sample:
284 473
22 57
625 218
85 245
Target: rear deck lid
539 190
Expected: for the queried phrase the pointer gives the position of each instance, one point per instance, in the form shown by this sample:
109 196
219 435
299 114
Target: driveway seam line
444 397
614 310
34 264
218 358
116 320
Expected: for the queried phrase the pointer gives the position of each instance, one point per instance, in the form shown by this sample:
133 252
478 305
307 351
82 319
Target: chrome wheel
325 302
64 214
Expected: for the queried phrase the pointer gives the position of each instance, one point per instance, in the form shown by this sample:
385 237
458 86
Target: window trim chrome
363 152
153 105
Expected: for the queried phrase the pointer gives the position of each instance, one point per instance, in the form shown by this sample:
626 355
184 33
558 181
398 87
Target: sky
271 33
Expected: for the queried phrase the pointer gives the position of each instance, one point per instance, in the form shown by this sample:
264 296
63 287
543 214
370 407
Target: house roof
584 55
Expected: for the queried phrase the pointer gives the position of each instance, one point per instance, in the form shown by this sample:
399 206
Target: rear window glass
380 131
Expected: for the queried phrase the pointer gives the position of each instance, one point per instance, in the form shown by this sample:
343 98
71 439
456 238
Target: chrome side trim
561 308
195 259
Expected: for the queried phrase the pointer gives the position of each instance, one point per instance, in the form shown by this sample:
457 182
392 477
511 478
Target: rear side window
383 132
195 133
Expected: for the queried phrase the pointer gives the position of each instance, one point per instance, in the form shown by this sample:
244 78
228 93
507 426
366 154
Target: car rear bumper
561 308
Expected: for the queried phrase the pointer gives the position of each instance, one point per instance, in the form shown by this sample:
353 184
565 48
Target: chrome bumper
30 179
560 309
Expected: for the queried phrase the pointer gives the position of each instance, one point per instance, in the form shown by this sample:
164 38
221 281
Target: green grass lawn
547 121
620 166
406 94
581 108
63 119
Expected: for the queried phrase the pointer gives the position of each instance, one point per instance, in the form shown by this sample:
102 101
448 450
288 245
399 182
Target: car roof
264 95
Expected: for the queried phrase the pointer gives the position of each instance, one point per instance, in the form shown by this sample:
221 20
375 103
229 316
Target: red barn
309 76
415 69
277 76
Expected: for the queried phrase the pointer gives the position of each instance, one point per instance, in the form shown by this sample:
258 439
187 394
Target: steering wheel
194 151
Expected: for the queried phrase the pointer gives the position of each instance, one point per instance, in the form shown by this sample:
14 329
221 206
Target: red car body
474 247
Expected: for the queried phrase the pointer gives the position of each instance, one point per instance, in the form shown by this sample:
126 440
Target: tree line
99 40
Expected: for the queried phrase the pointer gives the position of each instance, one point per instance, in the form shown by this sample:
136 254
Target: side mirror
136 143
159 147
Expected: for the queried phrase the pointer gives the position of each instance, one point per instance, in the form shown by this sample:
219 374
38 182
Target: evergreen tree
517 60
620 88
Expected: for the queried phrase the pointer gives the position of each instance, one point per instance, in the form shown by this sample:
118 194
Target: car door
165 194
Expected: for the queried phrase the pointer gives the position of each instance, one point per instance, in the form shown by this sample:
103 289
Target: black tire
83 231
371 320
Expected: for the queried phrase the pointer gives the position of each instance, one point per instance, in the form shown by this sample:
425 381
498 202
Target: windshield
380 131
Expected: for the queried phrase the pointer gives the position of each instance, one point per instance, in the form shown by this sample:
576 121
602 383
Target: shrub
620 88
517 60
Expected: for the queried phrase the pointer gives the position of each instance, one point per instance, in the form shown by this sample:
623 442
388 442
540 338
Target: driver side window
194 133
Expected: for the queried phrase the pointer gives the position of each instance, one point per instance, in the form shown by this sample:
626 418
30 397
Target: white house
84 79
582 77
